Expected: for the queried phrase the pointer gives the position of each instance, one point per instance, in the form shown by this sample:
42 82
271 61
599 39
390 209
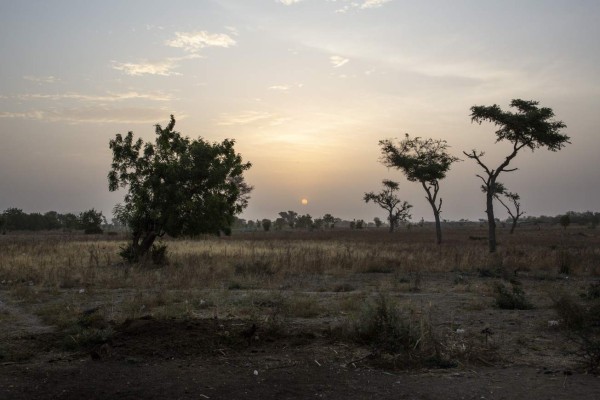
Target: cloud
285 88
373 3
362 5
194 41
250 117
288 2
338 61
108 98
130 115
162 68
41 79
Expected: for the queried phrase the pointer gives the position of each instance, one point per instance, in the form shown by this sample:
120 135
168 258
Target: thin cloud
362 5
373 3
162 68
288 2
194 41
250 117
285 88
41 79
110 97
130 115
338 61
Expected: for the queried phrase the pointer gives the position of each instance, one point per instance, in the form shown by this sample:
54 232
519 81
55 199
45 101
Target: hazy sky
306 87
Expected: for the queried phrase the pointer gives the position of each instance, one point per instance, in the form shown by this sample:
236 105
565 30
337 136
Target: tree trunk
139 250
491 221
391 219
513 226
146 244
436 215
438 227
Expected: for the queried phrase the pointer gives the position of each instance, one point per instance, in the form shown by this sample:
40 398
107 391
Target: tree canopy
176 186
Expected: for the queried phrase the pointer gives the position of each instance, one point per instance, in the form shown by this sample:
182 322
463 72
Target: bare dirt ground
226 359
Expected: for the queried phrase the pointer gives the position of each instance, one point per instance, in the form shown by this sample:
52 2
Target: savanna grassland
299 314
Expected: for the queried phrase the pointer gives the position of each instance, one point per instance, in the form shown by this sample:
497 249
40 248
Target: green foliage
511 299
176 186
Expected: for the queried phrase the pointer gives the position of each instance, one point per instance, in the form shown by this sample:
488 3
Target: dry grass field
283 314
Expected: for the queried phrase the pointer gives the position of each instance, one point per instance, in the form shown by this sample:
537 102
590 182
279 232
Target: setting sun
304 201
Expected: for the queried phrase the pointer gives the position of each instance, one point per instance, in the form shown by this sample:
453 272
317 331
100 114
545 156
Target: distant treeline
588 218
91 221
15 219
292 220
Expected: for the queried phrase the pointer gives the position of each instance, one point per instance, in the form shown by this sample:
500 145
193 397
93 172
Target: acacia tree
421 160
387 199
176 186
529 127
513 200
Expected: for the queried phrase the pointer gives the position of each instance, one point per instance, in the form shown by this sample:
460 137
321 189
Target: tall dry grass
268 260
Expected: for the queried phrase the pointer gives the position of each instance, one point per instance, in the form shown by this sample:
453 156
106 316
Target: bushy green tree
91 220
529 127
176 186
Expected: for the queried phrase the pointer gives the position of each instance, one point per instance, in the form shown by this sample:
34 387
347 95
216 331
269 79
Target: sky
307 88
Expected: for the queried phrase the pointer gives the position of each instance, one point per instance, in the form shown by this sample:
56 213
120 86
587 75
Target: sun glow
304 201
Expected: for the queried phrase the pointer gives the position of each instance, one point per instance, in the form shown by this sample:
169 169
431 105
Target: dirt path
15 321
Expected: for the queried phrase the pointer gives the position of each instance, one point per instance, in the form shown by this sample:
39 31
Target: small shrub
571 314
382 325
158 254
582 323
563 259
593 291
511 299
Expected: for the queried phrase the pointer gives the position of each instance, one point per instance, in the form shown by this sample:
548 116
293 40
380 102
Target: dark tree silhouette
529 127
397 209
176 186
290 217
422 160
514 203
